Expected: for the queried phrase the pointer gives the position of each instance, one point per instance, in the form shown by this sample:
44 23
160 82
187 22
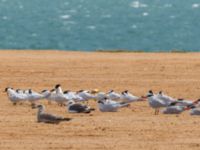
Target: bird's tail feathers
66 119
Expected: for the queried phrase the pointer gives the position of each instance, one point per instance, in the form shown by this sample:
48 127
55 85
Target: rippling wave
146 25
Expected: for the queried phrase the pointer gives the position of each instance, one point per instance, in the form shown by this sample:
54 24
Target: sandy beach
177 74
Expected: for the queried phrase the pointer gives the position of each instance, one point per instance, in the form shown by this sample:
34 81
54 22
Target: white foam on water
65 16
195 5
21 6
134 26
137 4
5 18
145 13
172 17
34 35
91 27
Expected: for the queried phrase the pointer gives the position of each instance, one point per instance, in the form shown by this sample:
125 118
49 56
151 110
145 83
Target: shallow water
100 24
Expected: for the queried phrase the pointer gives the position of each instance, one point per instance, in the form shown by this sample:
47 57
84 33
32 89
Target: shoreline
107 51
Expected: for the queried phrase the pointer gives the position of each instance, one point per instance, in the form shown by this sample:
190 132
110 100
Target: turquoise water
148 25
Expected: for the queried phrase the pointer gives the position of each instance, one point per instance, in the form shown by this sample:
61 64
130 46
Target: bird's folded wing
50 117
77 107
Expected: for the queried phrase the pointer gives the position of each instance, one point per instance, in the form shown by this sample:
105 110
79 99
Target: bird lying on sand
107 105
73 107
48 118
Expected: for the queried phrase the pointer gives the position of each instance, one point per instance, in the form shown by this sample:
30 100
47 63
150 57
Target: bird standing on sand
14 96
48 118
70 95
113 95
85 95
57 96
58 89
167 99
33 97
155 102
127 97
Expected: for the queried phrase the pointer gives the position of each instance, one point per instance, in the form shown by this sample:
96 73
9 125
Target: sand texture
177 74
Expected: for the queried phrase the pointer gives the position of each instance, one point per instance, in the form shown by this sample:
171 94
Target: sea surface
89 25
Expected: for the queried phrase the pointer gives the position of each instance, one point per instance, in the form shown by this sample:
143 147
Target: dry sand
178 74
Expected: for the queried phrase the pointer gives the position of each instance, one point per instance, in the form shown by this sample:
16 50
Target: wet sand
177 74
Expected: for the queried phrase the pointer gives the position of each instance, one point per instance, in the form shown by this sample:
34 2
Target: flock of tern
76 102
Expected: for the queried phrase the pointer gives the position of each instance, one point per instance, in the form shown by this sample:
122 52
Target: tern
15 97
58 89
128 97
70 95
20 91
101 96
194 110
113 95
85 95
33 97
57 96
183 102
167 99
107 106
173 109
155 102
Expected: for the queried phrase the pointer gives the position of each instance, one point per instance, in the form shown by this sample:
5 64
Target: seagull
73 107
48 118
113 95
128 97
155 102
15 97
106 106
